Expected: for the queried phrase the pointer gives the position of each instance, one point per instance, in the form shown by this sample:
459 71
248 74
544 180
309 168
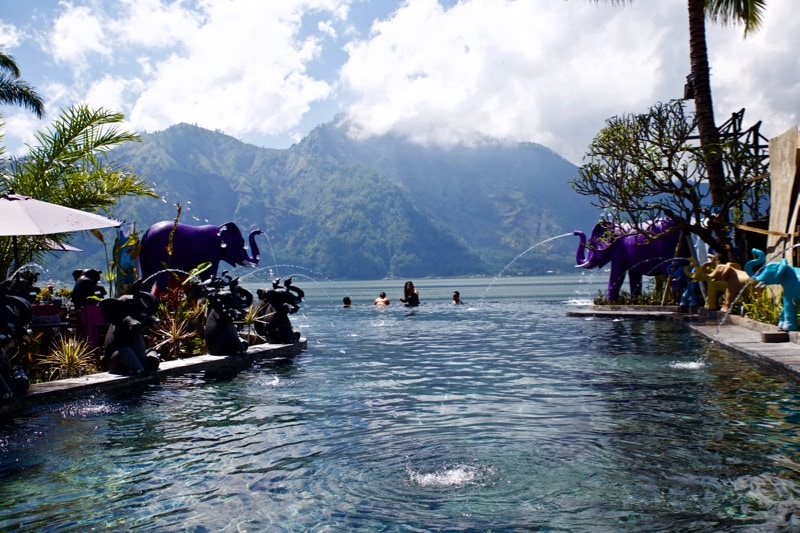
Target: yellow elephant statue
714 288
734 277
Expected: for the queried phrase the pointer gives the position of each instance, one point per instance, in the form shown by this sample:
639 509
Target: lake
502 414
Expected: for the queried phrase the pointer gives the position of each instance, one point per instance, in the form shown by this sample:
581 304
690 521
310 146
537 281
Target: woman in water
410 295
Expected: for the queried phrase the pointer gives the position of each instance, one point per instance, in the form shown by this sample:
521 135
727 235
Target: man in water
346 302
457 298
381 300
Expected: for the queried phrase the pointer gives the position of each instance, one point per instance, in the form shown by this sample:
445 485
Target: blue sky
267 72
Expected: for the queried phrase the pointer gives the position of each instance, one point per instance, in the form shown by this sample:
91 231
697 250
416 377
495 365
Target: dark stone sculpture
87 289
192 246
15 315
22 284
227 303
631 252
275 306
126 351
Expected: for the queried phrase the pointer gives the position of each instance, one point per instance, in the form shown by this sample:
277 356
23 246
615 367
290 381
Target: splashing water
449 476
500 274
146 280
25 266
689 365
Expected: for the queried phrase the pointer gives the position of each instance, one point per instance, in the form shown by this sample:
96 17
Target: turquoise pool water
502 414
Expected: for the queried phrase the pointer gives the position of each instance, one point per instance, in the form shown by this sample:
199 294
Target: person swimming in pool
410 295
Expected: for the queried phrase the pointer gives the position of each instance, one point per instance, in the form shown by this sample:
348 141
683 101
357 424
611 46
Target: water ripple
506 415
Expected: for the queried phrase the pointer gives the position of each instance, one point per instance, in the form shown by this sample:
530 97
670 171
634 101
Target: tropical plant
656 293
14 90
248 323
69 166
760 305
70 357
28 354
179 330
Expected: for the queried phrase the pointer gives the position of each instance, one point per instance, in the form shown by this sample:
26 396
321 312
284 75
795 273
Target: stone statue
275 306
227 303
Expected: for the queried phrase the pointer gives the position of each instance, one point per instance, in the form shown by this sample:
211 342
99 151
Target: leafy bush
761 306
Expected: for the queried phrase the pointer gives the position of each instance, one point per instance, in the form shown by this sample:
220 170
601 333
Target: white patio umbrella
24 216
53 246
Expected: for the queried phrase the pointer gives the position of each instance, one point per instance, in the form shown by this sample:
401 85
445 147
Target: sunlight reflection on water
502 414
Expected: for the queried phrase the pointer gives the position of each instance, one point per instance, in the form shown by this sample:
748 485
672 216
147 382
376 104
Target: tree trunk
707 128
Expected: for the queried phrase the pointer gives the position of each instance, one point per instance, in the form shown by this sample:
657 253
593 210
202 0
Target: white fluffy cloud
533 70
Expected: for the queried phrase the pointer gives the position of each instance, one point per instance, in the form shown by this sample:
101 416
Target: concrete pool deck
762 343
68 389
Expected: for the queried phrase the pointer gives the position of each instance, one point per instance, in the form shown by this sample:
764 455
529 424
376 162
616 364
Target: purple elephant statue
632 252
192 246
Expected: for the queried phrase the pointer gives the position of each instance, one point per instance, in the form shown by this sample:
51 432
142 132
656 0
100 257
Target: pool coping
743 336
71 388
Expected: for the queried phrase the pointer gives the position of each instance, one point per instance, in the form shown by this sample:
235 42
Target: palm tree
15 91
70 166
748 13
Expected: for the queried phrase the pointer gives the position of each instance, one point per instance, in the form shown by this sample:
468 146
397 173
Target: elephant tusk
583 265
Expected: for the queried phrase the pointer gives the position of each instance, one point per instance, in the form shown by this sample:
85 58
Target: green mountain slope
343 209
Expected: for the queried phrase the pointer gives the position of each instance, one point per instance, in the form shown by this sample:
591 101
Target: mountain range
337 208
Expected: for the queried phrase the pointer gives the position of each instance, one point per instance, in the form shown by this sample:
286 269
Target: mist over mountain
338 208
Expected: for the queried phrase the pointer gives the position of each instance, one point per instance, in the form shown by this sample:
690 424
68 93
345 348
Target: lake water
502 414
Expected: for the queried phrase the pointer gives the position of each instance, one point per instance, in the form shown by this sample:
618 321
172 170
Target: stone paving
761 343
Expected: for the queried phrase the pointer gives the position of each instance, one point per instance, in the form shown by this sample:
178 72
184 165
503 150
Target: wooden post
784 156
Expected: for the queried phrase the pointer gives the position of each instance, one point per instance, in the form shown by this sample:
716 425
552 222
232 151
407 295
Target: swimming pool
501 414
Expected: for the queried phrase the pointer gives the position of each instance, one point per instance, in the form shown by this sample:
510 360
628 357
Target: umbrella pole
16 253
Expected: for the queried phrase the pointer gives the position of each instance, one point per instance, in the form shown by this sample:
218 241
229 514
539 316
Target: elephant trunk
754 265
255 255
580 255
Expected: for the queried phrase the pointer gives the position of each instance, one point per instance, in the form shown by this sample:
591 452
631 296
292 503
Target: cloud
760 73
512 70
242 70
76 34
541 71
240 67
10 36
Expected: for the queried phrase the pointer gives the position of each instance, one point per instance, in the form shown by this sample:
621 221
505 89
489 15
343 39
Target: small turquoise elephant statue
778 273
